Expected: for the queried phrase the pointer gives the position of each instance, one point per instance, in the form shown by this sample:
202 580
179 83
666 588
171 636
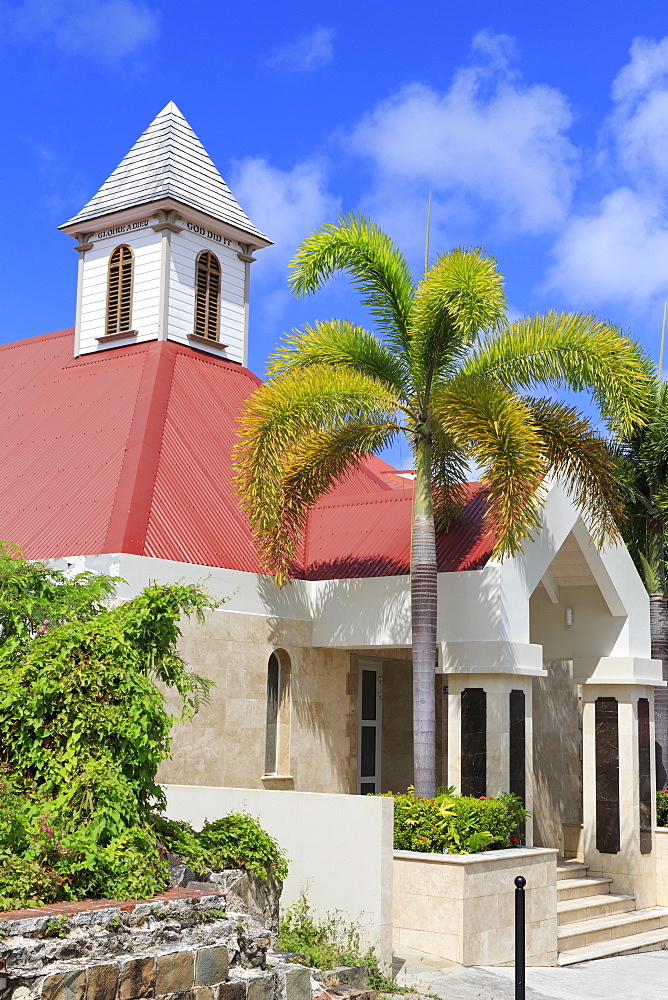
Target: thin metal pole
663 338
520 882
426 241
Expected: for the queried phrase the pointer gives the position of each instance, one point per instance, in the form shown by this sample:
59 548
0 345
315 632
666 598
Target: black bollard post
520 882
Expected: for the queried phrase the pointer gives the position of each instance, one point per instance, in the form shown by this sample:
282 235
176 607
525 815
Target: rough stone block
211 965
137 979
201 993
356 975
294 983
65 985
174 973
231 991
102 981
263 987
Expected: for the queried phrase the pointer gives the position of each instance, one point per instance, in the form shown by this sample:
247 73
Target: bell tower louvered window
207 295
119 291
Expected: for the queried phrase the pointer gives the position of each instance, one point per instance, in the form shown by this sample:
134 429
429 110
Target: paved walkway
627 977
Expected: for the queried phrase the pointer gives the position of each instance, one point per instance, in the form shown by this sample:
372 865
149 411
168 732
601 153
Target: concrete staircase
593 922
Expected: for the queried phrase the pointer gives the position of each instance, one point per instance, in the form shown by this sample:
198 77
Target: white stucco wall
483 615
340 847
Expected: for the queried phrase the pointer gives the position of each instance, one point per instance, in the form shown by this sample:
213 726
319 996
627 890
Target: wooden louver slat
119 291
207 295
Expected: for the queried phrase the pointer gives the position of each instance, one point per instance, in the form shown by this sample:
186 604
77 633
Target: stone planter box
461 906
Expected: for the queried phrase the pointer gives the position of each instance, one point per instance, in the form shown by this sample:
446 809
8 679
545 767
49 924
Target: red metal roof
129 450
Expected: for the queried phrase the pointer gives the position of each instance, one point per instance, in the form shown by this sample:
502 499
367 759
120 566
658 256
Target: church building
116 438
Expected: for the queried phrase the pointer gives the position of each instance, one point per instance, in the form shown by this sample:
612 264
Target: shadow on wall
386 606
557 763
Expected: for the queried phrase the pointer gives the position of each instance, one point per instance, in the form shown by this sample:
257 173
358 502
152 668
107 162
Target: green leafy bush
330 942
130 867
452 824
180 838
83 728
662 808
239 841
25 883
322 943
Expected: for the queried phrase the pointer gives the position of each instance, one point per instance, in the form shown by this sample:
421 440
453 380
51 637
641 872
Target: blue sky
541 128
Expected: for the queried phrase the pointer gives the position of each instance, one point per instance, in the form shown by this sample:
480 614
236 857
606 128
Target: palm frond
652 450
342 344
495 428
449 476
378 269
321 458
651 574
584 464
278 421
573 350
460 295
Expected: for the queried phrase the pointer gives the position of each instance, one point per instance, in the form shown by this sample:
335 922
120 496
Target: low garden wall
461 906
339 848
180 945
661 856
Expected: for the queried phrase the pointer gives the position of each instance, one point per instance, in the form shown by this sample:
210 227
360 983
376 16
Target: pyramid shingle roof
168 161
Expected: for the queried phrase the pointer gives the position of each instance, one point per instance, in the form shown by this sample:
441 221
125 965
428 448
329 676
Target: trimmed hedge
457 824
662 808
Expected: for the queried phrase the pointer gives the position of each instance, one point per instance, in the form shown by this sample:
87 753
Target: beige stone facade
557 757
317 724
318 710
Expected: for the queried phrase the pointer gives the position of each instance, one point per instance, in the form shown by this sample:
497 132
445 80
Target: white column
633 872
497 688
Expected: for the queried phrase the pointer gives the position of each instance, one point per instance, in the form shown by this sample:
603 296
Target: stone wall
460 907
225 744
181 944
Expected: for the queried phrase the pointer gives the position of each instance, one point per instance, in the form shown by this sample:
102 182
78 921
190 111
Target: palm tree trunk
423 619
658 624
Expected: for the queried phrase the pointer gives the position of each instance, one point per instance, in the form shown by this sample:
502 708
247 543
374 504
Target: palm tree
446 370
645 473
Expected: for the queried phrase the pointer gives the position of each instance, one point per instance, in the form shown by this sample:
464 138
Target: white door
370 702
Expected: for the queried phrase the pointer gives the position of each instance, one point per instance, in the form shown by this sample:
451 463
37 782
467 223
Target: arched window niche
277 726
207 295
119 292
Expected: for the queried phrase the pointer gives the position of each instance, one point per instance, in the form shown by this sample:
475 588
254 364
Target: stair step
648 941
571 869
574 888
586 933
589 907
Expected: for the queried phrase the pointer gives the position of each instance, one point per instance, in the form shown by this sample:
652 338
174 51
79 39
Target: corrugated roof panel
195 516
371 536
63 427
132 447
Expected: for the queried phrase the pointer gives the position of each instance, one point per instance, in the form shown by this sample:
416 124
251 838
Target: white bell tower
164 250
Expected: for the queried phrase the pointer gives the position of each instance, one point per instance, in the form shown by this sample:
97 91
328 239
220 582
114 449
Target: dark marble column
606 721
474 742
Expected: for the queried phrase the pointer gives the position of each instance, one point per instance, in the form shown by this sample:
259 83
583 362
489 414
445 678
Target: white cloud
616 250
639 122
616 253
101 29
312 51
287 205
490 143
